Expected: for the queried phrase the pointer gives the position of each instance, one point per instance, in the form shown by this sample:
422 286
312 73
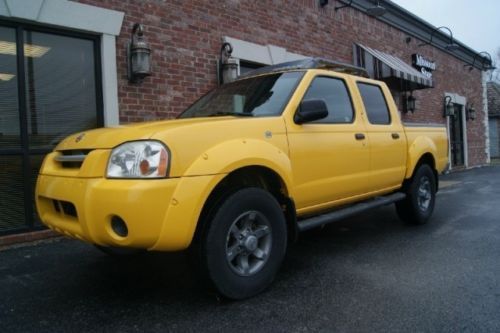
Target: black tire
119 251
418 205
247 223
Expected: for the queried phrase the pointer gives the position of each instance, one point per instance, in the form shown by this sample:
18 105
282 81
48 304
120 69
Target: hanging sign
424 65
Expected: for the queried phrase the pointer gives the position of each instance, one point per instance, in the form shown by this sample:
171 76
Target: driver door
330 157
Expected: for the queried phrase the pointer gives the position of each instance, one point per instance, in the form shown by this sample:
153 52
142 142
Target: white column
109 81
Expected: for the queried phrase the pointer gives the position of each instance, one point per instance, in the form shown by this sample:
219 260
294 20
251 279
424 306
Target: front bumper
160 214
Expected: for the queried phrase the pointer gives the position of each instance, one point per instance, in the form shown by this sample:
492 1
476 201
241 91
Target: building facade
63 69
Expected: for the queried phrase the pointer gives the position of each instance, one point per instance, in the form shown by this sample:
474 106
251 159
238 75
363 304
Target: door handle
395 136
359 136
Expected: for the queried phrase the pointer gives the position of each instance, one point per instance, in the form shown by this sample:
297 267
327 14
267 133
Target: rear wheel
418 206
244 243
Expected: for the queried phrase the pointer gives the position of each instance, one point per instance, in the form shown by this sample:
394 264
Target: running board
343 213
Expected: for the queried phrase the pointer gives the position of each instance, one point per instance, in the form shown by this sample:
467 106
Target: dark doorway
49 88
457 137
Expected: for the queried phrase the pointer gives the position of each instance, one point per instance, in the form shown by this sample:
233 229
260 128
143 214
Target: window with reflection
60 87
10 135
53 94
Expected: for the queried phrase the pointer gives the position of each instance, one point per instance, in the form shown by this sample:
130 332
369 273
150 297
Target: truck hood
110 137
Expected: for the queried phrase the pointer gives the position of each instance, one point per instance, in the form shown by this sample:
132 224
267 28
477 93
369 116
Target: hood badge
79 137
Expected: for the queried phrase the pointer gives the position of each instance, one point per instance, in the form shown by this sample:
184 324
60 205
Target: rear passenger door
386 136
329 162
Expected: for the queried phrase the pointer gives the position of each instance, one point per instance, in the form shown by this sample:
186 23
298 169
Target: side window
375 104
334 93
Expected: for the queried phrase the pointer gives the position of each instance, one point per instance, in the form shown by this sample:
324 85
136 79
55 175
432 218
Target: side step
340 214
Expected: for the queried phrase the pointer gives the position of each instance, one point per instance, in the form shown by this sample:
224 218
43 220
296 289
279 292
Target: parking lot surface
370 273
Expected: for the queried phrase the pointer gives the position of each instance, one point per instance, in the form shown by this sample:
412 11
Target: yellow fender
420 146
235 154
204 175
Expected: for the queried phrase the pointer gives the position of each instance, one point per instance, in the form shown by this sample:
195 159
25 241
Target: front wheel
418 206
244 244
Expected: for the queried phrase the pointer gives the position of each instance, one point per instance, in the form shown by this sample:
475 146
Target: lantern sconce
451 46
471 111
227 65
483 67
138 56
409 103
449 109
349 4
376 10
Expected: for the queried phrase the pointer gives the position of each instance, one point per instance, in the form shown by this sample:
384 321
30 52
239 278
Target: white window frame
70 15
459 100
259 54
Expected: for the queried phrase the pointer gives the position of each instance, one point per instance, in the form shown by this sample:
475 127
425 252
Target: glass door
457 137
11 153
49 88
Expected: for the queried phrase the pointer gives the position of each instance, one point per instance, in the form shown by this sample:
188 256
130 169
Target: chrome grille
72 158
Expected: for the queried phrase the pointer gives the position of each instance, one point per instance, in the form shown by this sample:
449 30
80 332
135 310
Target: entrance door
494 138
457 137
49 88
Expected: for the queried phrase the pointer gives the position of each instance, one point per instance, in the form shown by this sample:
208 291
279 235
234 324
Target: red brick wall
186 37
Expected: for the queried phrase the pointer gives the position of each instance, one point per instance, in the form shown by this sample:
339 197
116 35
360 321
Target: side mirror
311 110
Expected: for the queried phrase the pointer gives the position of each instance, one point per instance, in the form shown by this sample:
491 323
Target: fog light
119 226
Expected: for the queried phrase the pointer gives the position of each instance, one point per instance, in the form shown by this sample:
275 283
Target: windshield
261 96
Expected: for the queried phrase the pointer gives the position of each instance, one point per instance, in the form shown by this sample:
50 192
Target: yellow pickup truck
243 170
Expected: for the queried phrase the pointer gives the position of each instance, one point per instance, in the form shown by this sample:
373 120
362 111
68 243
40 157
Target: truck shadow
169 277
76 277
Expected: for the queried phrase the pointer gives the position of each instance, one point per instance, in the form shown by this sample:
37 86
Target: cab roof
309 63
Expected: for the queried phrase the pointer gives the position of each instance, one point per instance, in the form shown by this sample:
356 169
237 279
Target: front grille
65 207
72 158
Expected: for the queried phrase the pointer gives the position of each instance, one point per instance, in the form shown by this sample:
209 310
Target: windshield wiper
236 114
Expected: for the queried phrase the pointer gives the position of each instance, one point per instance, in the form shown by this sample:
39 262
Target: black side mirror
311 110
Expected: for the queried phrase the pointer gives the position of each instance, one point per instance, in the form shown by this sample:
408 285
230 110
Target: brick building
63 69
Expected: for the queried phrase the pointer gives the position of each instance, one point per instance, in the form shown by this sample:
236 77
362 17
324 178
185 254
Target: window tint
335 94
259 96
60 87
375 105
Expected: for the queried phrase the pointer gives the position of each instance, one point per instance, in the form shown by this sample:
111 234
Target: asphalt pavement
370 273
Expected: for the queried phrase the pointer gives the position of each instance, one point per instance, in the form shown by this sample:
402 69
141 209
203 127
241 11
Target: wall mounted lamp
471 111
409 103
449 109
323 3
376 10
451 46
227 65
483 67
349 4
138 56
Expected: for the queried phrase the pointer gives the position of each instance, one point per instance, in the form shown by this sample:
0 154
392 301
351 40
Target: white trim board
460 100
260 54
70 15
484 79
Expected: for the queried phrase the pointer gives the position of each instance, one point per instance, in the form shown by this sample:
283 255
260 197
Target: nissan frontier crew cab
243 170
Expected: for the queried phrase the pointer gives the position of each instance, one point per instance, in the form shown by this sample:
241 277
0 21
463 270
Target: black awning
396 73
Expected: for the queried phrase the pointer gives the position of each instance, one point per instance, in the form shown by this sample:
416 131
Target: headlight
139 159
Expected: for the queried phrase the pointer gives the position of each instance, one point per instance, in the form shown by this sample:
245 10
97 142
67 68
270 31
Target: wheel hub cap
424 195
248 243
251 243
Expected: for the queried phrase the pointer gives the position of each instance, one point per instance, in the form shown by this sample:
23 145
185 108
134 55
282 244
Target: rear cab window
375 104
